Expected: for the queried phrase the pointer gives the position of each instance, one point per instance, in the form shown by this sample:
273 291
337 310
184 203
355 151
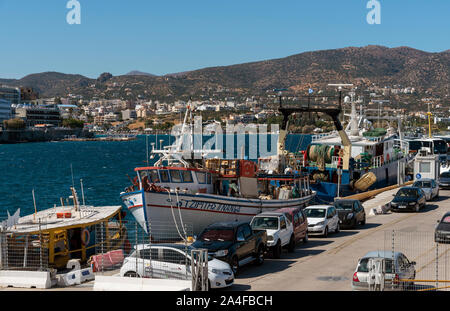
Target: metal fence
23 252
431 270
160 253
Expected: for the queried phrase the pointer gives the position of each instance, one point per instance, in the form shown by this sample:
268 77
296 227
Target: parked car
299 221
403 270
444 180
442 231
350 212
408 198
233 242
429 186
279 229
322 219
172 261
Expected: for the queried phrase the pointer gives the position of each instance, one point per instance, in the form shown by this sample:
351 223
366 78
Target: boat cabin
51 237
190 180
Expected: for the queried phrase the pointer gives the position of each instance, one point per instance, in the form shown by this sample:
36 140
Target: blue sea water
102 165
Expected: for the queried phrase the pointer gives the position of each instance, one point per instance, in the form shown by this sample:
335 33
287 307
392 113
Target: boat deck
48 219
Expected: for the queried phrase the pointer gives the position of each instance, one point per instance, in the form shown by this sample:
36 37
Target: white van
279 229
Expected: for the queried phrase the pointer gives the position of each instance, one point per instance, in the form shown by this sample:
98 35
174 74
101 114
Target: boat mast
429 120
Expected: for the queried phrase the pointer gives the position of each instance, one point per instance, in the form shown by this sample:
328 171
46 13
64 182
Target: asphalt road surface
328 264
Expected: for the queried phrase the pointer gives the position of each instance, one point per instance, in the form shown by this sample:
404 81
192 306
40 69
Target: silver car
429 186
393 280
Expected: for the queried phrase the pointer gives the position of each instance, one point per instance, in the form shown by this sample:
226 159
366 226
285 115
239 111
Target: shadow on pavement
269 266
441 198
429 207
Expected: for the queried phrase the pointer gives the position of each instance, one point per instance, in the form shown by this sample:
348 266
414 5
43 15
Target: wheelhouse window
143 174
164 175
187 176
440 147
153 174
175 176
201 177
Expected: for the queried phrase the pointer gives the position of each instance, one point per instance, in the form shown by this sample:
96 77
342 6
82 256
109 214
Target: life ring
85 236
387 157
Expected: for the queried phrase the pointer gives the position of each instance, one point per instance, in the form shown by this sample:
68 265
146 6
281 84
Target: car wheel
235 265
131 274
338 229
305 239
325 232
291 246
259 256
277 250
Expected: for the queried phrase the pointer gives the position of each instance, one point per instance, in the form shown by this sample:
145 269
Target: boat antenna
146 148
71 171
280 94
429 120
35 208
82 191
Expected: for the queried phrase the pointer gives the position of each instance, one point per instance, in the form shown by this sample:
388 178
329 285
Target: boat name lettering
209 206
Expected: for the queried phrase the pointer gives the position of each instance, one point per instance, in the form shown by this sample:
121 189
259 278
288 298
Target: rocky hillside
359 65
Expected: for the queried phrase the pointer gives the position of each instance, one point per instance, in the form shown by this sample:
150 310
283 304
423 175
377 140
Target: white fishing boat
181 188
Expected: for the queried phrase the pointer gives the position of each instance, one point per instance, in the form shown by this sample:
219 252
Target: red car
300 223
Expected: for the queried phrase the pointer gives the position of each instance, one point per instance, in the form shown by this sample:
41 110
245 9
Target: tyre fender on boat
85 236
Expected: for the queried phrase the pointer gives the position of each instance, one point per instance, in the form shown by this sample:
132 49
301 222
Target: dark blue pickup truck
233 242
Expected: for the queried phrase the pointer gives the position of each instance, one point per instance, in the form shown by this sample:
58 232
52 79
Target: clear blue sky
169 36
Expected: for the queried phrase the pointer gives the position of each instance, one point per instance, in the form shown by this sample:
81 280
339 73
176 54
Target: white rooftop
84 216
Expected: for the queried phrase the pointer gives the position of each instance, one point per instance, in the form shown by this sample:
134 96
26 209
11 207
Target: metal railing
424 264
25 252
162 253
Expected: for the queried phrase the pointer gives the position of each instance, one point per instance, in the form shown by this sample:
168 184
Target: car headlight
320 223
350 216
412 203
394 204
221 253
219 271
269 238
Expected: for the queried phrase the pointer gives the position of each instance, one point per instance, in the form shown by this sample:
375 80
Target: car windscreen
445 175
315 212
363 265
344 205
265 223
402 193
217 235
422 184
